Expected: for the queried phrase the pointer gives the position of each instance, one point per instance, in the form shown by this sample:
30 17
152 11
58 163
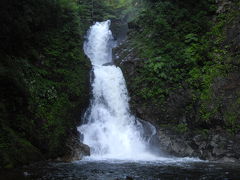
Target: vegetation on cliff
191 60
43 74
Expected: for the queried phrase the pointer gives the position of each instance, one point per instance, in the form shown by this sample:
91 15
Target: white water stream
110 130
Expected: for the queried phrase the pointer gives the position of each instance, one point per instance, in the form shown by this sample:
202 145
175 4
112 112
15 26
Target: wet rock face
76 150
226 94
119 29
223 5
233 40
215 146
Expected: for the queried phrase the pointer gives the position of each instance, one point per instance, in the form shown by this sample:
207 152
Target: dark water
125 170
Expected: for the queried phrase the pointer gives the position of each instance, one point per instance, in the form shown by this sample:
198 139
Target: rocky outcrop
76 150
214 145
223 5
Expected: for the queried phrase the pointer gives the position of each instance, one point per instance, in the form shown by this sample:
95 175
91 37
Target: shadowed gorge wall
182 70
44 77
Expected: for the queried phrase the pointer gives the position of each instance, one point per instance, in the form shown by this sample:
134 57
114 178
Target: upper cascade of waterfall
98 46
110 129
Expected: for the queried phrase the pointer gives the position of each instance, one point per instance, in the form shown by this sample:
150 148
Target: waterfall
109 129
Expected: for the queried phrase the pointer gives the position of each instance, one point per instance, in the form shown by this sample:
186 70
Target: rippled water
113 170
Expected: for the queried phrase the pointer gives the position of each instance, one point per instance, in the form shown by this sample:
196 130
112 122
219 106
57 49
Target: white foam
111 131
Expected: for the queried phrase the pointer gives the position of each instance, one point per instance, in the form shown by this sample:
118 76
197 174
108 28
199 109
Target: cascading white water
110 130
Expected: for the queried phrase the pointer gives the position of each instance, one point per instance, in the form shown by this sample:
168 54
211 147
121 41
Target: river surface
120 170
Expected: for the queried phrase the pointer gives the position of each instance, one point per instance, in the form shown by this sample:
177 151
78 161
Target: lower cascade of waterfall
109 129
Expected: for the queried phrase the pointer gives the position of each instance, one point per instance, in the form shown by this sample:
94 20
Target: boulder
76 150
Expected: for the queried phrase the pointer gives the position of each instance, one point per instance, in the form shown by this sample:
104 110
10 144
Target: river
120 170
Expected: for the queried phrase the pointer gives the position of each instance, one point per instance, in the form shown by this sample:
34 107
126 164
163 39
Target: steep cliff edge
181 64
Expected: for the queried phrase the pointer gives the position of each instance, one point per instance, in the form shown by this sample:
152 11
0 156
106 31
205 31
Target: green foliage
184 48
181 128
203 132
171 41
18 149
43 75
231 122
231 117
